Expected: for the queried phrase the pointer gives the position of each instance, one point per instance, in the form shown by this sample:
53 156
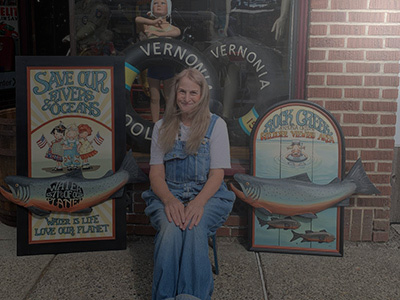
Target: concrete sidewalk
366 271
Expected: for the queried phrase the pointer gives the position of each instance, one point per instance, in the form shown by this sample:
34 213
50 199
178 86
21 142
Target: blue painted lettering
56 80
93 80
313 121
282 118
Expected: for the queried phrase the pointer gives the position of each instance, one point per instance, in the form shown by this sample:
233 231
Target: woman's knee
215 215
216 209
168 228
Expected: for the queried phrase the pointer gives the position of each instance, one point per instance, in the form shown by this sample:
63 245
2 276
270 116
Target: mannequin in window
279 25
153 27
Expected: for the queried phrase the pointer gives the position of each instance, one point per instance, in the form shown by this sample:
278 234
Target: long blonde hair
200 115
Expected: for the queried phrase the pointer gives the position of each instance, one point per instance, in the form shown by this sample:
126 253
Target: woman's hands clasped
184 216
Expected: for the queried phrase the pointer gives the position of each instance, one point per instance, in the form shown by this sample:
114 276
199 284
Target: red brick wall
353 71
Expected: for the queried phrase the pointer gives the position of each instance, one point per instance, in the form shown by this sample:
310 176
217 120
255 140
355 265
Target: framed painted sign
301 140
70 122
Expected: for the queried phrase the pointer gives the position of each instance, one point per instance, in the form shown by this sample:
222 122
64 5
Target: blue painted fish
71 192
284 223
298 196
310 236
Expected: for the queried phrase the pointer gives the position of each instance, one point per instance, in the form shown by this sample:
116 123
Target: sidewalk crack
41 275
260 270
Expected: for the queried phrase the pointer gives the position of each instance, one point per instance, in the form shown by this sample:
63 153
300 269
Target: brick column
353 71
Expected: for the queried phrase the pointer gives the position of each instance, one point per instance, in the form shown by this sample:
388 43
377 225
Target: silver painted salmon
71 192
284 223
298 196
313 236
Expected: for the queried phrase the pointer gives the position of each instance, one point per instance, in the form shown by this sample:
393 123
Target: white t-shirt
220 157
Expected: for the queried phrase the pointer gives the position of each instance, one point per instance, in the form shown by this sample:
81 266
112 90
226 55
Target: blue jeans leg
168 245
181 262
196 276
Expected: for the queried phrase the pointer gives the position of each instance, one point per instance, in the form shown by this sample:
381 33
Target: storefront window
250 45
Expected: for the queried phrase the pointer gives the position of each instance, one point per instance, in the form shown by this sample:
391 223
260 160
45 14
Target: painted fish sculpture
313 236
71 192
298 196
285 223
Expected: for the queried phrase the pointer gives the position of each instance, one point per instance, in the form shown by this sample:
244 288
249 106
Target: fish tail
135 173
262 222
295 236
359 177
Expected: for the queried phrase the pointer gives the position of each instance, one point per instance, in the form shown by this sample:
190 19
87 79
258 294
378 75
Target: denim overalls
182 269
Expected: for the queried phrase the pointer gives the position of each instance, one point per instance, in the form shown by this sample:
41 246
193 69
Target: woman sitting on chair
188 199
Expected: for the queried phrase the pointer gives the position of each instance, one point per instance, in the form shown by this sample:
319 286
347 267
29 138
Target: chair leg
214 242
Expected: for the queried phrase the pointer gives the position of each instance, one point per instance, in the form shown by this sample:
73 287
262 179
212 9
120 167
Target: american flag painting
98 139
42 142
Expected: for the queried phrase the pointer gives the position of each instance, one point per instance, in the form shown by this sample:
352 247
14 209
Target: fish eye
247 183
16 185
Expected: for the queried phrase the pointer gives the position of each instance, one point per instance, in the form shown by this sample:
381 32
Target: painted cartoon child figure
153 27
296 148
296 154
70 145
85 148
56 150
